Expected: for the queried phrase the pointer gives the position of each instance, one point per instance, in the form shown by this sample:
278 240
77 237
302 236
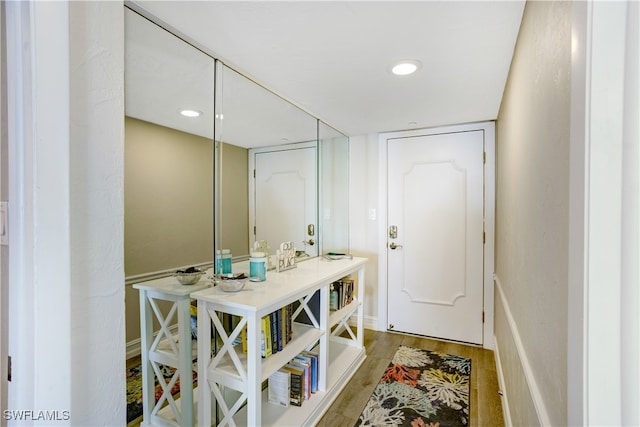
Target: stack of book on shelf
275 331
298 379
341 293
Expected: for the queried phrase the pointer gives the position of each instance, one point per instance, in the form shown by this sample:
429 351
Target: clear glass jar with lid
258 267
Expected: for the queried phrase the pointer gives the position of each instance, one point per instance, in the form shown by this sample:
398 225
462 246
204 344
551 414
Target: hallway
486 407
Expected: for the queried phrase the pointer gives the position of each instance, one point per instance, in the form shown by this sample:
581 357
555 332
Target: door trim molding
489 218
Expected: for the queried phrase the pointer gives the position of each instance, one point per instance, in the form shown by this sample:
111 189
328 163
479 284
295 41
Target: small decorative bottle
258 267
333 299
223 261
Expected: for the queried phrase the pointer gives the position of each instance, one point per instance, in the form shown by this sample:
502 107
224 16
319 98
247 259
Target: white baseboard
134 347
370 322
503 390
534 390
138 278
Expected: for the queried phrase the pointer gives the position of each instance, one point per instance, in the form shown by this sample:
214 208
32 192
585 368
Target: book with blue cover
305 362
314 369
273 319
279 329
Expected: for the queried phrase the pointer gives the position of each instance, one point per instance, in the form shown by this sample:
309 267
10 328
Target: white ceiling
333 58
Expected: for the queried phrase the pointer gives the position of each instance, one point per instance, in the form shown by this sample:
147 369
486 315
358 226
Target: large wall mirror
279 170
168 156
334 190
279 146
168 178
190 185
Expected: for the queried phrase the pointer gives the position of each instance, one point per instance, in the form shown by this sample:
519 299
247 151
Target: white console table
230 368
166 350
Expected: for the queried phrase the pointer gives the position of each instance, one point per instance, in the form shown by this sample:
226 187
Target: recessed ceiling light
190 113
406 67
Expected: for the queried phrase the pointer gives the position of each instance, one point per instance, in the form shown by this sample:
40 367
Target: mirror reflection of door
284 196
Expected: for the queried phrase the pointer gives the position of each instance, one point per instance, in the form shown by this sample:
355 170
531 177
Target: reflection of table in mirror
167 349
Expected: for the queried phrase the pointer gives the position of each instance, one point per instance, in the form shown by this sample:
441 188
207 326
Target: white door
285 197
435 235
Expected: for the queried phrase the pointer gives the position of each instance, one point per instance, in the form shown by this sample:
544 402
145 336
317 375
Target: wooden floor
486 406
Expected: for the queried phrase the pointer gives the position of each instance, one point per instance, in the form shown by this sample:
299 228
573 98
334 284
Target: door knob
393 245
309 242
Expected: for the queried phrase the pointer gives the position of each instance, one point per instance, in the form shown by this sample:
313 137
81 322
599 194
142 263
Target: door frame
4 250
489 218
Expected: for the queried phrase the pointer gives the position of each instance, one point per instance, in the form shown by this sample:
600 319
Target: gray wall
234 200
532 218
168 190
168 218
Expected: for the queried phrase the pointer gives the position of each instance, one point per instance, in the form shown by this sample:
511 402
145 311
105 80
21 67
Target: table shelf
344 361
232 369
345 312
167 348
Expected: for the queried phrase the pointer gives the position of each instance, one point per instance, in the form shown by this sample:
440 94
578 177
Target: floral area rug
420 388
134 388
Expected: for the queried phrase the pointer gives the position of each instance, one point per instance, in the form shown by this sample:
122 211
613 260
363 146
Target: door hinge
8 368
484 237
483 316
254 230
254 173
484 157
4 224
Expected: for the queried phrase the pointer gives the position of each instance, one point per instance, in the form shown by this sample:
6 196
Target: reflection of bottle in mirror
333 299
263 246
258 267
223 261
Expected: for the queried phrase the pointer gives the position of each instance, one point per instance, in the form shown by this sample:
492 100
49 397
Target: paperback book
280 387
296 396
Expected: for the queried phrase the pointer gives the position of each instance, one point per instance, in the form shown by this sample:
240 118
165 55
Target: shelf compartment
164 353
344 360
336 316
225 372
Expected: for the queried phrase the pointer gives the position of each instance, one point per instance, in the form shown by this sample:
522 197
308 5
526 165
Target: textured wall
96 63
363 193
518 400
532 214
